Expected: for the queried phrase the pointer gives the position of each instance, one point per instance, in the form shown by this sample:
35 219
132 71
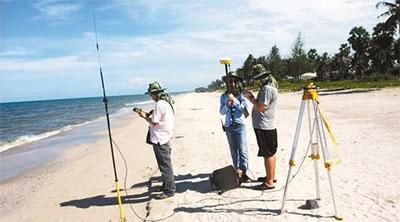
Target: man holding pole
234 107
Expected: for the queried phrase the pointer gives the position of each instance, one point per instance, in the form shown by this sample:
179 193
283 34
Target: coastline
79 184
32 151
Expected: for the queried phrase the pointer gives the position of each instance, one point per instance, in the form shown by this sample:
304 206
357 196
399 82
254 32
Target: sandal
262 179
263 186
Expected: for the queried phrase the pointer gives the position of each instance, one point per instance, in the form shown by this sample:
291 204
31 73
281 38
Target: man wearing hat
264 123
234 107
161 124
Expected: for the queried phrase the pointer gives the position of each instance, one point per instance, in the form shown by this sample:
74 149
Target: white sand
79 185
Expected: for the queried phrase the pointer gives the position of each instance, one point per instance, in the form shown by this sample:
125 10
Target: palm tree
393 22
359 41
382 50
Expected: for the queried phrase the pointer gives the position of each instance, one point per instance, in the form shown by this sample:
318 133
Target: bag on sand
224 179
148 141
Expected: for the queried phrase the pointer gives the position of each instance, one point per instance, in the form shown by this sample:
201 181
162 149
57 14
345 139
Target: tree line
364 56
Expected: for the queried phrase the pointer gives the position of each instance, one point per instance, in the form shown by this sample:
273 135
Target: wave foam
32 138
139 103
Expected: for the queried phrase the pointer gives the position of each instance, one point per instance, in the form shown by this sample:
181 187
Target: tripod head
308 79
310 89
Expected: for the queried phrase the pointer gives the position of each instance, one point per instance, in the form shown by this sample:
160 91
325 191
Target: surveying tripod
310 97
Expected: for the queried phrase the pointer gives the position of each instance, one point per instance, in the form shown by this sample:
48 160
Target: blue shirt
236 112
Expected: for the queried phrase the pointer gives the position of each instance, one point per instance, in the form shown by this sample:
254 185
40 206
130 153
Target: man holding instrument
233 105
264 123
161 124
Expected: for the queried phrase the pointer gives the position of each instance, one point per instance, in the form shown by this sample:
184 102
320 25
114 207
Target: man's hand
142 114
137 110
249 96
231 97
229 104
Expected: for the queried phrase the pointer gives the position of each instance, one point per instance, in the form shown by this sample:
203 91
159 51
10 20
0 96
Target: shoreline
79 184
17 159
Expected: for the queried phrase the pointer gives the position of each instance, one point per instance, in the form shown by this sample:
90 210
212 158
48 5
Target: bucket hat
154 87
231 74
259 72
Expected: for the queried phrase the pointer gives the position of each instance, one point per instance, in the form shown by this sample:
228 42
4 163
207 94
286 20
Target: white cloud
254 26
213 29
186 53
338 10
16 52
68 64
60 10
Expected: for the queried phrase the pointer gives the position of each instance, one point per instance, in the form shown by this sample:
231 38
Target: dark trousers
163 157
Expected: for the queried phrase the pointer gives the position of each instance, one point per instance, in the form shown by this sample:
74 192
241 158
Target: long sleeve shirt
234 114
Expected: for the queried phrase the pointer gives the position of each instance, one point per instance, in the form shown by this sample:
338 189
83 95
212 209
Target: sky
48 47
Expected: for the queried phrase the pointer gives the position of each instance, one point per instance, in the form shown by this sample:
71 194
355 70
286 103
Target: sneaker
164 195
161 189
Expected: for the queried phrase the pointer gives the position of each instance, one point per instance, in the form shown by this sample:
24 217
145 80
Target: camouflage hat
231 74
154 87
259 72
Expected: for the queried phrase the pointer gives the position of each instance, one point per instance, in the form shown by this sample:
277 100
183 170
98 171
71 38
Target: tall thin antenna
105 101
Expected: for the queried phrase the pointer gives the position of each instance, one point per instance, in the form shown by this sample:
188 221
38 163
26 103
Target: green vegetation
342 84
364 61
292 86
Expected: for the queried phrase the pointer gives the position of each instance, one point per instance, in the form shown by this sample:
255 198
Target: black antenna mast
105 101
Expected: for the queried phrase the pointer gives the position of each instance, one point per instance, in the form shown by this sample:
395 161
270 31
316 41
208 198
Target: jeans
163 157
238 146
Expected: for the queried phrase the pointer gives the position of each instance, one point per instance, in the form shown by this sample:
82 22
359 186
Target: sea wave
139 103
32 138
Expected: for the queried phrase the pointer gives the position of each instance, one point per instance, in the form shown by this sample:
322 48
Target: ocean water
32 133
25 122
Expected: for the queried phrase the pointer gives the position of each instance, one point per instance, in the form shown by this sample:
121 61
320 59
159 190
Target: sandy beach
79 184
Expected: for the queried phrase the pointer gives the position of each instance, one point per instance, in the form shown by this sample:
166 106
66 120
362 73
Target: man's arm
145 116
259 106
148 119
225 105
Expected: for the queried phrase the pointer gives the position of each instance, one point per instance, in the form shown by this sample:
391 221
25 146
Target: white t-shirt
163 115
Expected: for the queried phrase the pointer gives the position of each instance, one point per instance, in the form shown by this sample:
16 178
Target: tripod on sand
317 139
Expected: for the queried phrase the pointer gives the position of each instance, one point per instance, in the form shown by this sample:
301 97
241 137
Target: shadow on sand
224 208
198 183
183 184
